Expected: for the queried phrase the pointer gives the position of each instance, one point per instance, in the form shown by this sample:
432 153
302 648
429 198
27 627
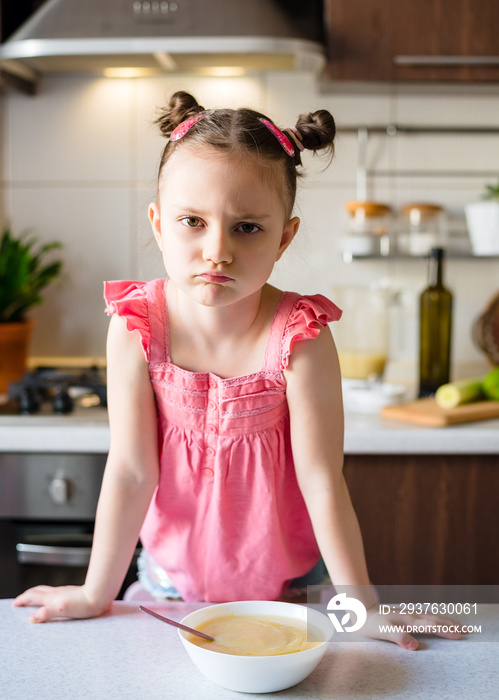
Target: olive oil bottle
435 315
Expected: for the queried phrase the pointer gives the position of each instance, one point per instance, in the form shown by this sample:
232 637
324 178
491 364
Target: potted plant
483 222
24 274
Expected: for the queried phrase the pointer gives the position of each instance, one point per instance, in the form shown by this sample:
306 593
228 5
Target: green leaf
24 273
492 192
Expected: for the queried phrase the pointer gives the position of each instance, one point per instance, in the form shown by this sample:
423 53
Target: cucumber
457 393
491 384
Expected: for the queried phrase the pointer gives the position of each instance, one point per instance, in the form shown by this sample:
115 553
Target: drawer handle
52 556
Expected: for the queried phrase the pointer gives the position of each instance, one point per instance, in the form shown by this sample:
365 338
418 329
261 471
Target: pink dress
227 521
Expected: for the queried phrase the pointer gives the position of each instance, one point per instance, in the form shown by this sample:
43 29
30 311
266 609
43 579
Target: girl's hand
377 627
63 601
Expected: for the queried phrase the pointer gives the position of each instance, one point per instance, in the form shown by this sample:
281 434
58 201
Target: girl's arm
130 479
316 418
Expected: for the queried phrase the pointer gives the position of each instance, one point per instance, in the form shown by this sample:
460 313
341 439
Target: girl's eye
248 228
191 221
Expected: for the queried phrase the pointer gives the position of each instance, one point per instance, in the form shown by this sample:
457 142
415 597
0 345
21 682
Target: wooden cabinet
427 519
413 40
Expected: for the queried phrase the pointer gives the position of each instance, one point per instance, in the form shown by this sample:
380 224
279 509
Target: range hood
145 37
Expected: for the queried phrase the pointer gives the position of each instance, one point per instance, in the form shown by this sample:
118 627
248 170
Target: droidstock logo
340 602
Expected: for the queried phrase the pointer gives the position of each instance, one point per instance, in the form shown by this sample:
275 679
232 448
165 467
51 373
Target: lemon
490 384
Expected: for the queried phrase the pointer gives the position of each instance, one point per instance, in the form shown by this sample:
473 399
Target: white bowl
363 396
257 674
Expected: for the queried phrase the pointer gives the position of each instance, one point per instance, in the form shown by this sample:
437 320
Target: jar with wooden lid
369 229
423 226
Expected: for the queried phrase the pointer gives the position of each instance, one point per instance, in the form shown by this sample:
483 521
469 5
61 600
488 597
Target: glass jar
422 227
369 229
362 337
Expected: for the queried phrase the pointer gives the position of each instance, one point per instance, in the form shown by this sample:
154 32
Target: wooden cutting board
426 412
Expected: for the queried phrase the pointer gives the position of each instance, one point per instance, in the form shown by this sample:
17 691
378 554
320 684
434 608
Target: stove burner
29 401
58 388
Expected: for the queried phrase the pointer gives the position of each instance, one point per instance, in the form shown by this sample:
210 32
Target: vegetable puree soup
249 635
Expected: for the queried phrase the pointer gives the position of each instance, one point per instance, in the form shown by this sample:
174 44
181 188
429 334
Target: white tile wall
93 225
80 161
75 130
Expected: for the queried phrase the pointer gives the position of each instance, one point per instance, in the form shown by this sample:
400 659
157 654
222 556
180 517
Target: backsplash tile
75 130
447 152
464 108
94 228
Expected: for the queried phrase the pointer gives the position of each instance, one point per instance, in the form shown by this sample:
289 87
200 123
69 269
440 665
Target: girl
226 426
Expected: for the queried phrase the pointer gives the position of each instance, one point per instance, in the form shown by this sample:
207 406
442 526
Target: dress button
212 405
212 428
208 472
212 383
210 451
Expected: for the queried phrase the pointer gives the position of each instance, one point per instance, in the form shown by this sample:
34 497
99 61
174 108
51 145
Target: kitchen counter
88 431
372 434
127 654
85 430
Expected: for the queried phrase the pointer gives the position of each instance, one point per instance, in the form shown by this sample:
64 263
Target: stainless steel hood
218 37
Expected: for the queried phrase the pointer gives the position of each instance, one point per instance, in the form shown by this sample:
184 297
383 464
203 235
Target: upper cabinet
413 40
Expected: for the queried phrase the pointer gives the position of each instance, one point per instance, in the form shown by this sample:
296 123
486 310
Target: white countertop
85 430
372 434
127 654
88 431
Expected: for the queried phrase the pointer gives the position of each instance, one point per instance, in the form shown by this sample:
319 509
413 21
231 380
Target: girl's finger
403 639
442 627
54 607
33 596
392 633
41 615
408 642
435 624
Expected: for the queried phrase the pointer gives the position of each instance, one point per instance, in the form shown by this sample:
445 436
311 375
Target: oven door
47 511
51 554
48 553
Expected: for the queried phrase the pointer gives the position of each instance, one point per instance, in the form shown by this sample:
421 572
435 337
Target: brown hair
242 130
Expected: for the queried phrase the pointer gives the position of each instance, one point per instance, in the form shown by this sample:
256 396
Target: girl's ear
290 231
155 221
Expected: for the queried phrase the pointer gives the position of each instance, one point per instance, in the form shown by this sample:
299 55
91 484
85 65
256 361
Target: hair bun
317 130
180 106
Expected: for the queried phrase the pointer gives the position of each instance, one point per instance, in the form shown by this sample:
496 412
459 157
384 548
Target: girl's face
220 223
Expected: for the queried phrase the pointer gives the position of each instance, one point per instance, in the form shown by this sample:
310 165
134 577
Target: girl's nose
217 247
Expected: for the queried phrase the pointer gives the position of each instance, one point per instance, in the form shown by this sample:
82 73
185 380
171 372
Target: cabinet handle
446 60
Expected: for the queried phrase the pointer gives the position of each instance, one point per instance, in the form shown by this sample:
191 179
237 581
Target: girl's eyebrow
254 216
182 208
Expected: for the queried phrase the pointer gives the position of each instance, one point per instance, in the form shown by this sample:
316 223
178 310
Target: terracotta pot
14 347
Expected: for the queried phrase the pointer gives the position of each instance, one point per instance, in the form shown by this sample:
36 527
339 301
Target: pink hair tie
180 131
282 138
296 137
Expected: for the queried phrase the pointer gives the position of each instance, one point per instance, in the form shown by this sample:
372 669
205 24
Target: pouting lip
215 277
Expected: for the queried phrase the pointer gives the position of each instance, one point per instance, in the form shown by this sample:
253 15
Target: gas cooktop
57 390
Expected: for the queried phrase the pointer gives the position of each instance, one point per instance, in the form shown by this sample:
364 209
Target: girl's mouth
215 277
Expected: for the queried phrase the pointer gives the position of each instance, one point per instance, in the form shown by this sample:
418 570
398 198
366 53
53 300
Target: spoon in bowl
177 624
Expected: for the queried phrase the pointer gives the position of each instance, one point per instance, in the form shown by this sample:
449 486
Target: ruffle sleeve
129 300
308 314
